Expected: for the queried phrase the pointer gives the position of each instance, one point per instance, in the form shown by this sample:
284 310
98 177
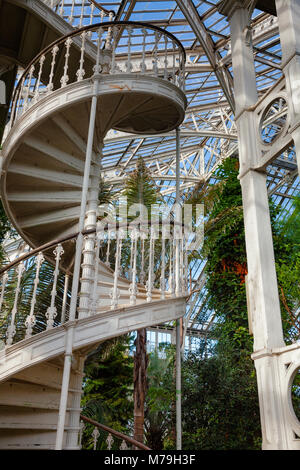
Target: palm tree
140 189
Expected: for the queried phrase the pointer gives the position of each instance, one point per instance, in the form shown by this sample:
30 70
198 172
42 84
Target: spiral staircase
70 95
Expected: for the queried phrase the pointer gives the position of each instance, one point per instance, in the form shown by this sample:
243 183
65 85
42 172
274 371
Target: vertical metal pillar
264 303
76 273
178 280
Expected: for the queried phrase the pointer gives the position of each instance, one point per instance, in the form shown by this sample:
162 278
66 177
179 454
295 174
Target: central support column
76 272
88 252
264 305
288 13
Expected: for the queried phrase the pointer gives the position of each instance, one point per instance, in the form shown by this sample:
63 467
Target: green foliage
140 188
107 396
159 414
219 403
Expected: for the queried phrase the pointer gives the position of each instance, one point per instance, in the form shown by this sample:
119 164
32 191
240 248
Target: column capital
228 7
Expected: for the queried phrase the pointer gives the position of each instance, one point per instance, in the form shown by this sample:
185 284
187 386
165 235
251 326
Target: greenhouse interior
150 230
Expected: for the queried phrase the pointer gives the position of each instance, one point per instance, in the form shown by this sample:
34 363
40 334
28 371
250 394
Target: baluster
4 282
109 35
54 53
30 320
26 98
143 63
94 299
131 254
181 265
115 294
11 330
19 102
65 78
92 7
174 64
133 286
171 269
186 266
163 269
61 11
64 304
129 65
52 310
71 17
99 41
107 263
142 274
95 435
109 441
81 72
37 85
123 446
81 14
166 58
114 45
157 36
177 260
182 70
149 283
81 429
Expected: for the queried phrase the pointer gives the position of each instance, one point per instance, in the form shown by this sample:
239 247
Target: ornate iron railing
141 261
108 48
106 438
78 14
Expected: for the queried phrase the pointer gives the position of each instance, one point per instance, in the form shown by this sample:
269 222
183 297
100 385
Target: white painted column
89 248
288 12
264 303
76 273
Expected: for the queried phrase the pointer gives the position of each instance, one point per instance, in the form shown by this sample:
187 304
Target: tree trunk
140 383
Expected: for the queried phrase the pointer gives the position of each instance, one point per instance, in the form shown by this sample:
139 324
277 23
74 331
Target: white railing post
115 294
11 330
65 78
149 283
4 282
65 296
163 269
81 72
31 320
52 310
133 286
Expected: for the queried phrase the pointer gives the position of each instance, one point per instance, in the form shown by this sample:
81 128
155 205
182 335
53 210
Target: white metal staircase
67 99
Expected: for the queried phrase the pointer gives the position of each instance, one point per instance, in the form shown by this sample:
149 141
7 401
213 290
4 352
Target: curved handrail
85 29
107 12
117 434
